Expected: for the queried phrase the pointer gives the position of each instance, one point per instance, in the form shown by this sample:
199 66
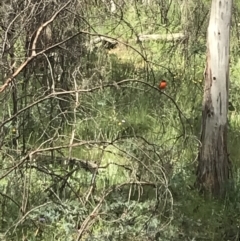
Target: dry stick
6 33
23 65
87 91
74 75
91 216
43 26
34 54
31 154
51 72
24 217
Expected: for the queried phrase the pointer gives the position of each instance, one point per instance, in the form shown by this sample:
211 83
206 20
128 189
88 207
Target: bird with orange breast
162 85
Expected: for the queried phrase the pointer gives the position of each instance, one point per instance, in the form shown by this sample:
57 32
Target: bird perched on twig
162 85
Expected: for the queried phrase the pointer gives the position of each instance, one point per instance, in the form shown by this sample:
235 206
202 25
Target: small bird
230 106
162 84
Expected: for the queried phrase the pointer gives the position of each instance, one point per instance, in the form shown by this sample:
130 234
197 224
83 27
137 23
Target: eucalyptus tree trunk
213 161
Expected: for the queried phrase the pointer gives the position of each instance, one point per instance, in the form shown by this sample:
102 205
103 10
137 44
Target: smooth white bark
213 169
218 56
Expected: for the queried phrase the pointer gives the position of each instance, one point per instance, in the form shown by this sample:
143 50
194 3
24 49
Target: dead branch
30 156
163 37
85 164
34 54
40 29
122 82
107 43
92 216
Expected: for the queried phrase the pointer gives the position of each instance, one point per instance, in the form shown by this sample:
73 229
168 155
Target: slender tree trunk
213 162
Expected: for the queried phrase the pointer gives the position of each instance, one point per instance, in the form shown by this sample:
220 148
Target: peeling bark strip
213 162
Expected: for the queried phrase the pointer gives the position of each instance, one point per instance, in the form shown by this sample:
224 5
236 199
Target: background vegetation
90 148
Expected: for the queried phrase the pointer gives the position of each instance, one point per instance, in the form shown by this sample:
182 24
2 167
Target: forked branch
34 54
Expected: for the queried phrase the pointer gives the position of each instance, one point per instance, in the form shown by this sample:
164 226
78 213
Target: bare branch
43 26
34 54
